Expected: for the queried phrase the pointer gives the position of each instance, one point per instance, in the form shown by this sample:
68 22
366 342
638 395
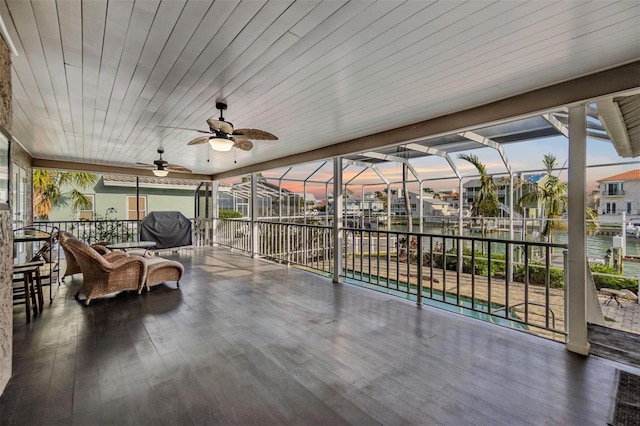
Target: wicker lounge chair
72 267
111 273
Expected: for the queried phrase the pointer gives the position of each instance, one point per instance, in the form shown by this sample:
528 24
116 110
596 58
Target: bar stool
29 287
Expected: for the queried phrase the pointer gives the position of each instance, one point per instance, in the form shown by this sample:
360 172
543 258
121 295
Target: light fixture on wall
221 144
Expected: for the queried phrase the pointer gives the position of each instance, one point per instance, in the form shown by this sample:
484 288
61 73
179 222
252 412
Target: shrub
103 230
229 214
537 275
480 267
616 283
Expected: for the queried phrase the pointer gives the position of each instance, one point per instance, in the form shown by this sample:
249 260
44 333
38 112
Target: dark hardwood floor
244 341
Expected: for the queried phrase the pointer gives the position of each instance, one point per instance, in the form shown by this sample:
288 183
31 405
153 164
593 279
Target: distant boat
633 230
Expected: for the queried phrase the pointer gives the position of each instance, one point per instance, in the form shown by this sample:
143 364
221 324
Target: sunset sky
523 156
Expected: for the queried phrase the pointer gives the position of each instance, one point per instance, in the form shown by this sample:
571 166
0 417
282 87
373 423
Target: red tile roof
630 175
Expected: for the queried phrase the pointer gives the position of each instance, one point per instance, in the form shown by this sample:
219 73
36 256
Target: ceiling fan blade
219 125
243 144
146 166
177 168
256 134
186 128
199 140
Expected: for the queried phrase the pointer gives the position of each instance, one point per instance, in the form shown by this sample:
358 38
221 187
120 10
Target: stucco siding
6 242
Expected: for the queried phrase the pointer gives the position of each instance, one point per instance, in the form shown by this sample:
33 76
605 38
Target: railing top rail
416 234
43 222
463 237
307 225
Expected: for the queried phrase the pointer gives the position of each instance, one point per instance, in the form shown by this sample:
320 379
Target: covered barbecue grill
166 229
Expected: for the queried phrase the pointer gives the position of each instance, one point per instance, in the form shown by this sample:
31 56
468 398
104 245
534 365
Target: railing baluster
547 285
444 269
458 268
526 283
473 274
506 279
377 258
489 278
369 255
419 267
361 247
397 261
431 259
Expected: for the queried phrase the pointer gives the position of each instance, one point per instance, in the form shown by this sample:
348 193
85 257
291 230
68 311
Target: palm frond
79 201
473 159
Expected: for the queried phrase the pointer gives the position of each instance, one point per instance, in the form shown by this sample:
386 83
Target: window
614 189
131 207
20 183
629 206
87 214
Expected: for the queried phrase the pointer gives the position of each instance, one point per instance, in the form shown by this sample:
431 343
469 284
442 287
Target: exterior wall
181 203
115 197
630 193
470 190
430 206
6 242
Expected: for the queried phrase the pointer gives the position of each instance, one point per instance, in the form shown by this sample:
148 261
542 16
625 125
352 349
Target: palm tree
592 220
259 178
553 197
48 187
382 196
486 203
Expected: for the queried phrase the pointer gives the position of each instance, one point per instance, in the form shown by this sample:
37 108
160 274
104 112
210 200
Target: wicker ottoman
160 270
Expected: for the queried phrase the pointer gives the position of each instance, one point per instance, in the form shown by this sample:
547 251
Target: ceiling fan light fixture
160 172
221 144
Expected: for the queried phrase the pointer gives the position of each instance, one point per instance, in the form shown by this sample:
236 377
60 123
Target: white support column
279 200
511 206
421 207
214 211
304 202
361 206
253 204
576 293
326 207
624 233
388 207
460 209
511 233
337 218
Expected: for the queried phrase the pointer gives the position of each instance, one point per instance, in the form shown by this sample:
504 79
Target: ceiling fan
161 167
222 136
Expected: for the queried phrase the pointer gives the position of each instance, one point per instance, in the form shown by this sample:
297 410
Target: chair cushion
160 270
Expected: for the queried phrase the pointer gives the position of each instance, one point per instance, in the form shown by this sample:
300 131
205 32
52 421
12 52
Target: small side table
146 245
32 286
613 295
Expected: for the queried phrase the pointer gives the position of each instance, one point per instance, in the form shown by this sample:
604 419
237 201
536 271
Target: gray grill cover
167 229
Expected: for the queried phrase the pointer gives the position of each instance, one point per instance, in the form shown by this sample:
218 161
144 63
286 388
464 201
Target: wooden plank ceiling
95 80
